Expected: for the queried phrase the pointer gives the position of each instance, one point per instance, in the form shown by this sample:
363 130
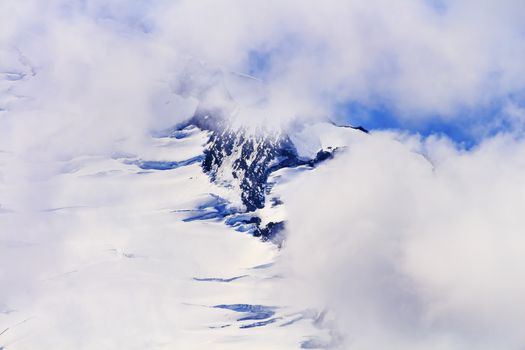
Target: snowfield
112 259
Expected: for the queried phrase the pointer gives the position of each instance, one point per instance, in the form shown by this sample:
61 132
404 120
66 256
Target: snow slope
143 251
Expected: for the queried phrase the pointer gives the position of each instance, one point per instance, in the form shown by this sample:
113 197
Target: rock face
249 161
243 161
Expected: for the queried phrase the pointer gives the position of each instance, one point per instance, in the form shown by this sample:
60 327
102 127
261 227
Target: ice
115 258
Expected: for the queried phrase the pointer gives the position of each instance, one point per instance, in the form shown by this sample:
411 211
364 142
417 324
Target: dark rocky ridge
251 158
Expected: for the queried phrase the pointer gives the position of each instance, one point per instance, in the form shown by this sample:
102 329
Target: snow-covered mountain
173 243
243 162
163 253
169 244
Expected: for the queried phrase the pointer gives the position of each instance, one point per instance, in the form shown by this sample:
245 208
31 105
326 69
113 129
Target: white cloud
419 58
410 56
410 253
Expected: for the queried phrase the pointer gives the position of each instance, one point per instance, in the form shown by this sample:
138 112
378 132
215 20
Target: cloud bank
412 252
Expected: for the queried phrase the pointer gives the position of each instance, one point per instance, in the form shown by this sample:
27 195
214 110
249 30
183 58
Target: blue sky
467 128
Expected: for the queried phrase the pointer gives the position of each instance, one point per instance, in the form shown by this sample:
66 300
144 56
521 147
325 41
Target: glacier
176 246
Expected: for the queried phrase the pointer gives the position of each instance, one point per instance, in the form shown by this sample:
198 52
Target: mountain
152 246
243 162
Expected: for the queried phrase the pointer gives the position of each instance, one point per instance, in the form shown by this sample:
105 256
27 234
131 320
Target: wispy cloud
419 59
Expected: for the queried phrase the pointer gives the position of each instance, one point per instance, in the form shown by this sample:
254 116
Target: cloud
420 59
413 252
